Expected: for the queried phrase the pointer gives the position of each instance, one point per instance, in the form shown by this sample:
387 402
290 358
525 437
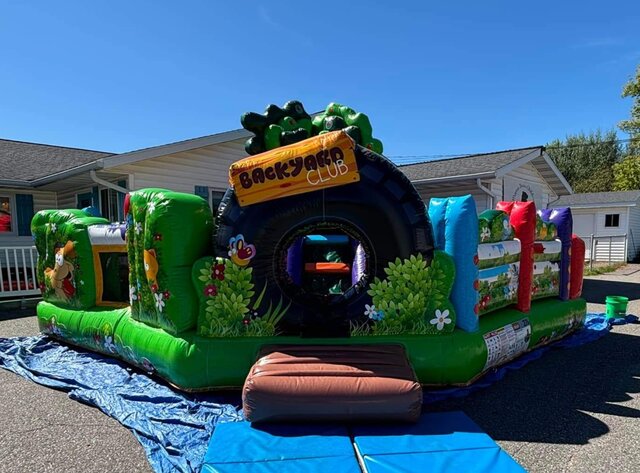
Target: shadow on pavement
14 313
544 401
596 290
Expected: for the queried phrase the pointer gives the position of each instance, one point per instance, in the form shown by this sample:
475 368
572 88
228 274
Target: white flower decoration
370 310
54 227
138 227
441 319
109 345
151 207
486 233
81 282
159 302
132 294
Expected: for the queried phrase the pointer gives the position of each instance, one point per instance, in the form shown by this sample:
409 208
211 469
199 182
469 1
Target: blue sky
434 77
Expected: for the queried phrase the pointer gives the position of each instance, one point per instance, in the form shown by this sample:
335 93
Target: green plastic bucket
616 306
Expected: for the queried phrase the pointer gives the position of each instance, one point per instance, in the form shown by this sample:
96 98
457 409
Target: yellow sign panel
319 162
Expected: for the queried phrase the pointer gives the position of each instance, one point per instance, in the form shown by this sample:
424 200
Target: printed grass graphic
226 291
407 300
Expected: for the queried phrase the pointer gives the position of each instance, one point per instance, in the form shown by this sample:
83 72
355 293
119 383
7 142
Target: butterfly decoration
241 252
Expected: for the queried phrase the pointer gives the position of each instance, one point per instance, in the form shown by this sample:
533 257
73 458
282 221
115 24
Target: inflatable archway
320 240
318 250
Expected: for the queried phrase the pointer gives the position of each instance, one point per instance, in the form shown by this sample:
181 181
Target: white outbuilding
608 222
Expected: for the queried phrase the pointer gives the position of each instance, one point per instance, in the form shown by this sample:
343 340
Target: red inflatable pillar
522 216
577 267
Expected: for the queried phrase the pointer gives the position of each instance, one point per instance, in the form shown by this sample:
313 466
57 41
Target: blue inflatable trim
174 428
455 228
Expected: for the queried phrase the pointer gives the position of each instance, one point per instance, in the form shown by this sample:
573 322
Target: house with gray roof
516 174
38 176
608 222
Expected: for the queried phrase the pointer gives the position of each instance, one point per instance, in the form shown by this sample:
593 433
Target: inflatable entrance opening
324 263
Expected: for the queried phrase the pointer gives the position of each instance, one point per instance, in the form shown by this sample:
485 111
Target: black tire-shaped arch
382 210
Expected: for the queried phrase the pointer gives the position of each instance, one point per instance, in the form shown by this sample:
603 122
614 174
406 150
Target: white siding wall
527 174
208 166
456 188
600 215
593 221
67 199
633 248
67 196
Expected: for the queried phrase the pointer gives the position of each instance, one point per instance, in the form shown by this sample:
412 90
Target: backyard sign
324 161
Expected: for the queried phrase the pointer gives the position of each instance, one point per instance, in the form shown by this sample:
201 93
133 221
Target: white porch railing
18 271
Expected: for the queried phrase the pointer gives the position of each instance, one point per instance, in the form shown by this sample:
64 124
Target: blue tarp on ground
174 428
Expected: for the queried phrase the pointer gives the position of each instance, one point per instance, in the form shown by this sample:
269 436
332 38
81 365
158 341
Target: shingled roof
466 166
23 161
598 198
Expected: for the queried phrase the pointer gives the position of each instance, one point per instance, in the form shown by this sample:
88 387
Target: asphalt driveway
573 410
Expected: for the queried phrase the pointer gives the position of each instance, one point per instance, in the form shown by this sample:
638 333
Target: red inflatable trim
576 269
522 215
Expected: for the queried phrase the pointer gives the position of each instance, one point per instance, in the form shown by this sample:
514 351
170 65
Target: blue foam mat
174 428
485 460
445 442
241 446
434 432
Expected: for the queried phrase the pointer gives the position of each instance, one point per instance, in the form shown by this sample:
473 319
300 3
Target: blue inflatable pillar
455 228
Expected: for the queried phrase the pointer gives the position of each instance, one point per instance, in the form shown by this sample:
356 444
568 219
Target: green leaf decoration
409 296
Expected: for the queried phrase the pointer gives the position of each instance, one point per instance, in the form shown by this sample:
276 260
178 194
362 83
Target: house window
109 205
612 220
6 214
216 198
84 200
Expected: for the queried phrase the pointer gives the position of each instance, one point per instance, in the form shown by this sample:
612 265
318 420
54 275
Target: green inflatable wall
167 232
65 266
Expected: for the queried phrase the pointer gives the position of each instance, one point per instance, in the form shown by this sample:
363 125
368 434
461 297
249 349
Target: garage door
583 225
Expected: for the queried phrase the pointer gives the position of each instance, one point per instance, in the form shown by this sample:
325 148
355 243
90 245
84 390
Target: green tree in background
586 160
632 126
627 172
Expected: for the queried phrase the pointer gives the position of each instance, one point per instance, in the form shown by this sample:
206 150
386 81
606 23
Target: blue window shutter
202 191
95 201
24 207
121 200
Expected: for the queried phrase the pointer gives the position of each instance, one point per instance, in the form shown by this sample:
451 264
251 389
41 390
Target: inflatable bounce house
322 279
